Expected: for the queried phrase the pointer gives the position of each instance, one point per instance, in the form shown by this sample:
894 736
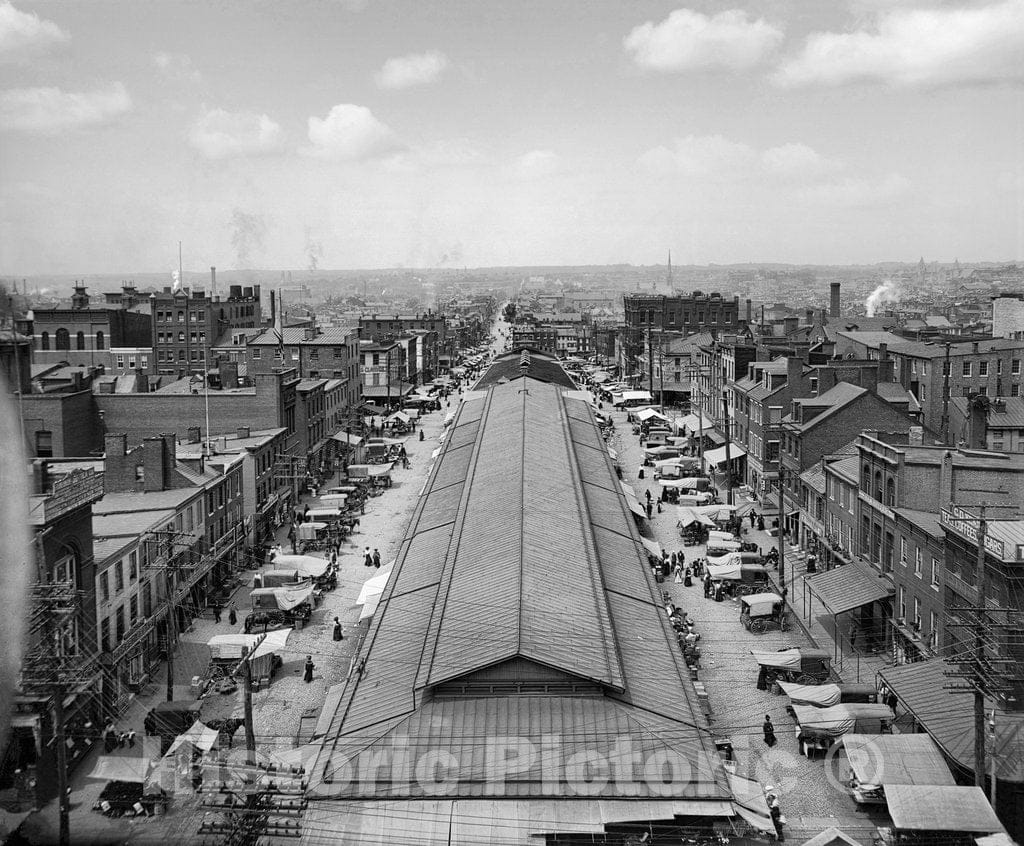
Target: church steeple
671 285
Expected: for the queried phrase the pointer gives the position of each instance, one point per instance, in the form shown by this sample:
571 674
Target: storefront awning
652 547
717 456
714 436
916 807
897 759
848 587
634 503
344 438
127 768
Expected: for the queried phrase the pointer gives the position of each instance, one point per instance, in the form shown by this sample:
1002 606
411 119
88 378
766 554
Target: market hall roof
520 605
529 363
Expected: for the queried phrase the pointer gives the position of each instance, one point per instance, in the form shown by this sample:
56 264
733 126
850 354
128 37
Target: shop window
44 444
45 340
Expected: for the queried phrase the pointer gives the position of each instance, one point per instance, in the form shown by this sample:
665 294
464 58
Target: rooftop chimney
749 315
809 315
833 309
213 281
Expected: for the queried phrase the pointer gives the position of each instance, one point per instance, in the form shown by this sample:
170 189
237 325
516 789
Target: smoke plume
247 235
884 293
314 252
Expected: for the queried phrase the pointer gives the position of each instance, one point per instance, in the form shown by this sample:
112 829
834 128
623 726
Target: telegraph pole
979 657
945 397
728 459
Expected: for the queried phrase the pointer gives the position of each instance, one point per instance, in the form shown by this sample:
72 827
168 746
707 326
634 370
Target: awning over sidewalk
714 437
717 456
129 768
916 807
848 587
634 503
351 440
652 547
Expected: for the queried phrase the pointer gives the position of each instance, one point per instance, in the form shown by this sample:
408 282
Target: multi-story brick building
992 368
1002 426
313 352
187 323
651 314
432 328
382 368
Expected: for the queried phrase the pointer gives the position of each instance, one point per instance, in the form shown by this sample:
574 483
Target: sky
450 133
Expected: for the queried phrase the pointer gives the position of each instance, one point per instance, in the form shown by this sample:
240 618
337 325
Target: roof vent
524 361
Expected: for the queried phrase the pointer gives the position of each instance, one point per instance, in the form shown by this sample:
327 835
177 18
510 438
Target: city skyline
356 134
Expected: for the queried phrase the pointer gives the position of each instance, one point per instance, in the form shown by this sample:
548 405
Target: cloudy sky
379 133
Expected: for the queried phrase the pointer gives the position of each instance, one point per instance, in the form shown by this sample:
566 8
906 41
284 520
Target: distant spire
671 286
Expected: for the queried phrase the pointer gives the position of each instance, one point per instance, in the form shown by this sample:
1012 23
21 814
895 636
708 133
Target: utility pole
782 530
165 562
650 356
728 459
945 396
250 733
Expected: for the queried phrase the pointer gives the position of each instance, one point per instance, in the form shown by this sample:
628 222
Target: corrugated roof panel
452 467
623 564
470 411
585 433
463 435
595 468
440 506
422 559
606 509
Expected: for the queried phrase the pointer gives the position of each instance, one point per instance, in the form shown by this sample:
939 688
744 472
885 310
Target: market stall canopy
131 769
648 413
307 531
760 604
719 513
345 438
601 376
817 695
400 417
676 461
850 586
837 720
308 565
718 456
627 396
895 758
200 735
714 437
718 572
784 659
281 598
730 559
916 807
316 515
654 452
334 500
652 547
687 515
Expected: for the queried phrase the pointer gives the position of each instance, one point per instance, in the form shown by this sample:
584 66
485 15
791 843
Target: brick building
92 333
186 323
432 328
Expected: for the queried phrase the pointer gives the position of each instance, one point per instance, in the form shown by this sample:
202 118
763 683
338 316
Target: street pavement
810 799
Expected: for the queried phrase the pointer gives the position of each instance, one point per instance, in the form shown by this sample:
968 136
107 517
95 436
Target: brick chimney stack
833 309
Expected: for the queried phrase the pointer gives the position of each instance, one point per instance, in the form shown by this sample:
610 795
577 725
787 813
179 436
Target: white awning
121 768
653 547
345 438
717 456
200 735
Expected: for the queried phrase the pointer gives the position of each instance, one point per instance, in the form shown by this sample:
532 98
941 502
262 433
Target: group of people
114 739
371 559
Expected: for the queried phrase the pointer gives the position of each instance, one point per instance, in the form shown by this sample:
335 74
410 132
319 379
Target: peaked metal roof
521 564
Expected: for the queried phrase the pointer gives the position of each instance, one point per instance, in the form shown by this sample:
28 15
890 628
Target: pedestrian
648 492
760 523
753 519
307 675
131 738
421 434
640 475
769 731
338 634
707 585
367 557
109 737
675 559
762 678
687 577
232 614
376 558
677 568
650 510
777 819
216 612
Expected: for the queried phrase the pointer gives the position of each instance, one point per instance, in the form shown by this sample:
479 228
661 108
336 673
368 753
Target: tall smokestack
833 309
749 315
213 281
273 309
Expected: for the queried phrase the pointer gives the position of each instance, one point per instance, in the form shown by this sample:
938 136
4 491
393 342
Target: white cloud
177 66
714 158
688 41
858 193
920 46
50 110
411 70
25 34
351 133
536 164
219 134
797 160
701 156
